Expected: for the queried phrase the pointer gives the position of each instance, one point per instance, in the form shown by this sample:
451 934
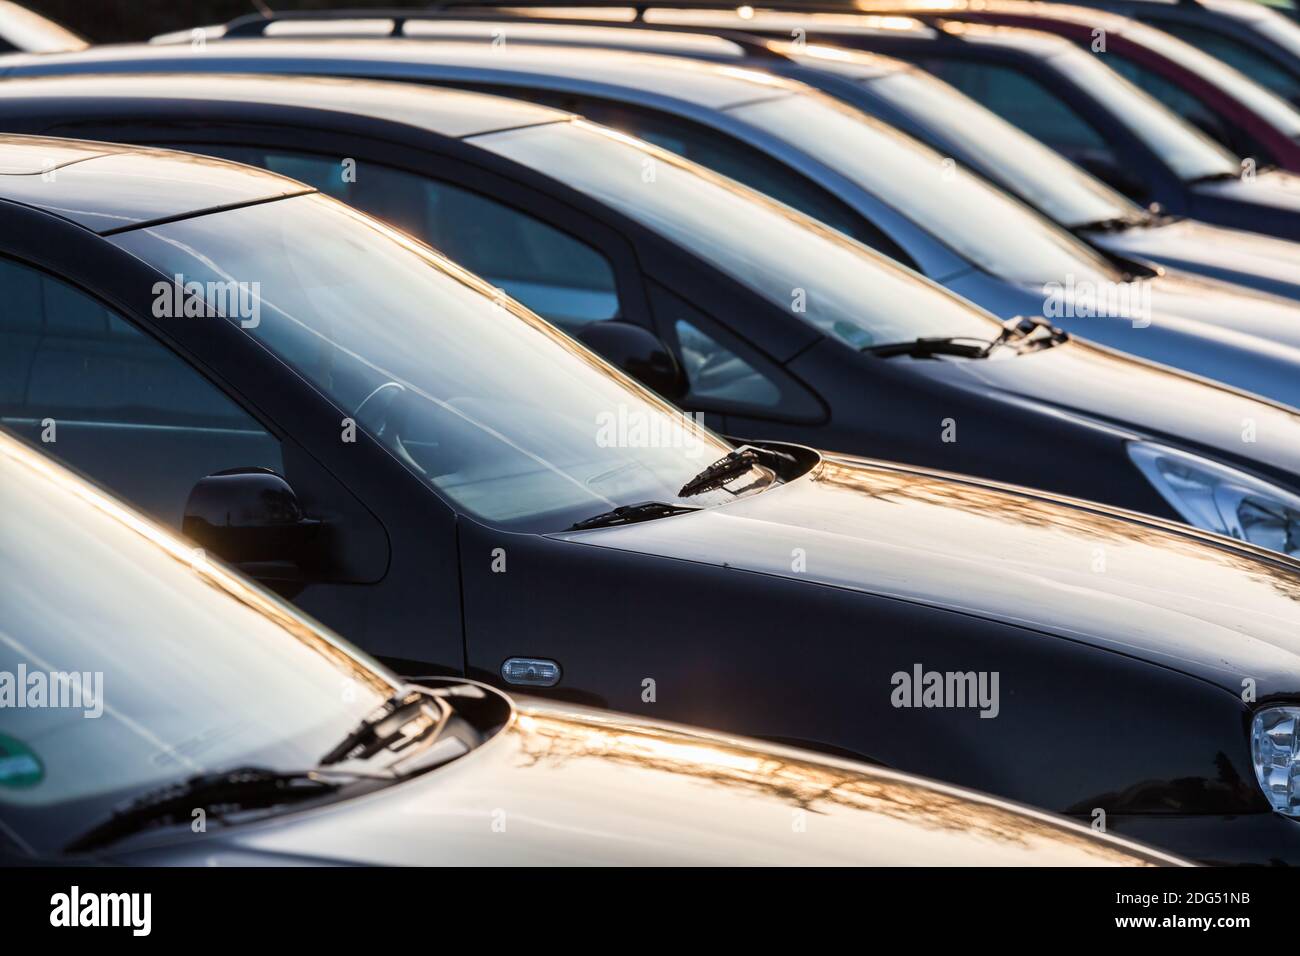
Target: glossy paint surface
1232 255
926 538
704 83
573 786
107 189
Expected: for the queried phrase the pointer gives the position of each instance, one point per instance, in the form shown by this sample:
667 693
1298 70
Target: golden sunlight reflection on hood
861 800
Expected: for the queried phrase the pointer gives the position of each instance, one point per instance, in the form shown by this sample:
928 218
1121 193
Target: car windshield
1281 29
128 662
1188 152
1038 175
498 411
821 277
951 203
1270 107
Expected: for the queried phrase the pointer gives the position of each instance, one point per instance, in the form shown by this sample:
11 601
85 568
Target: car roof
711 85
1094 17
1249 10
892 21
452 113
725 46
109 188
32 32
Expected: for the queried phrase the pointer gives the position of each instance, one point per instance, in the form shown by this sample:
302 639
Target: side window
560 278
91 389
1254 63
1172 96
736 160
724 373
1022 100
717 372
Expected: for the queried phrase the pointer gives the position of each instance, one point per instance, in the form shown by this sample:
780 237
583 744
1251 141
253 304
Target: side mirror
251 518
638 352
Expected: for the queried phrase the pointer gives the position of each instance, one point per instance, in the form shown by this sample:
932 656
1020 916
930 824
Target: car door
95 385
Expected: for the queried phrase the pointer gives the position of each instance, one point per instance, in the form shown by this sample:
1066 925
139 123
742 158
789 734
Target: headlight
1218 498
1275 752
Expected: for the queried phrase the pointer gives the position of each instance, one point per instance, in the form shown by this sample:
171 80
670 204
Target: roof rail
255 24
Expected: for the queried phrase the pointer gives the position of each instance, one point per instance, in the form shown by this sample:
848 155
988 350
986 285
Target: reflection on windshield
1282 30
90 588
952 204
1188 152
794 262
1038 175
1268 106
490 405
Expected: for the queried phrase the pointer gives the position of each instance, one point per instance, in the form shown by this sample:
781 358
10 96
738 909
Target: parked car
1262 43
780 337
1047 86
1229 107
22 30
919 104
297 749
905 203
431 469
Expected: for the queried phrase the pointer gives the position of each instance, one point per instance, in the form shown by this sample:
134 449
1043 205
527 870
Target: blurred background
109 21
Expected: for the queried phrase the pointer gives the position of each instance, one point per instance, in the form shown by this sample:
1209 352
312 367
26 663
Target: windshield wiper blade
926 347
631 514
409 715
244 788
1021 328
732 466
1116 224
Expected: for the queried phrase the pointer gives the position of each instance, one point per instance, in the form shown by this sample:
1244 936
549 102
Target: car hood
1274 189
1188 600
1269 318
564 785
1241 337
1089 383
1232 255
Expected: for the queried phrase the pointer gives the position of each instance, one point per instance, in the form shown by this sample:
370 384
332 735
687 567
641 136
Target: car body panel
1233 255
901 534
566 786
28 31
105 191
